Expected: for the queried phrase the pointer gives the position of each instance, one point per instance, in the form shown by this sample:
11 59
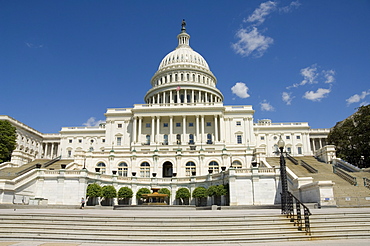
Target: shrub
142 191
109 191
200 192
182 193
165 191
125 192
94 190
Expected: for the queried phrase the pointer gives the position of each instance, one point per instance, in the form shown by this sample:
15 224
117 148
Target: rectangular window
299 150
69 153
298 137
238 123
239 139
178 124
147 125
119 141
80 140
70 141
191 124
262 138
287 137
165 124
208 124
103 140
119 125
289 150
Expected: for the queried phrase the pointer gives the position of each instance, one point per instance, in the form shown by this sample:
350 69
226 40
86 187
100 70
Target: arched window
236 164
122 169
190 168
145 170
213 167
191 139
102 167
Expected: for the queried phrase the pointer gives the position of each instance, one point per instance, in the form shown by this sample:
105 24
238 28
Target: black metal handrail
294 212
292 159
350 179
367 183
308 167
52 161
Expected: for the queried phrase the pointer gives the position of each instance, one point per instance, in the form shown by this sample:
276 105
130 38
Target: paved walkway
206 213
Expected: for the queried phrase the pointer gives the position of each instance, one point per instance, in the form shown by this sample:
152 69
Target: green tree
351 138
94 190
165 191
109 191
199 194
8 136
221 190
212 191
142 191
125 192
182 194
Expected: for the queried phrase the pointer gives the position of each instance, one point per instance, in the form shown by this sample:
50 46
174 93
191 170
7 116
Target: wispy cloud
241 90
318 95
293 5
287 97
329 76
259 14
251 42
92 122
266 106
357 97
312 75
34 46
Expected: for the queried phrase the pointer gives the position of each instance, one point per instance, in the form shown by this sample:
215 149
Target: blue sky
65 62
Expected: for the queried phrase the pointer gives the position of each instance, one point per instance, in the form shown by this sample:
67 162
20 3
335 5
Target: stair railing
367 183
294 212
350 179
308 167
292 159
52 161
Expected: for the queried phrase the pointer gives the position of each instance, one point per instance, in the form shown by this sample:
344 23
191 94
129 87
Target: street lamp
283 177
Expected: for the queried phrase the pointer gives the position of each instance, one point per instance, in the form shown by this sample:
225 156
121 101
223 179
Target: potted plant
200 193
183 194
124 195
93 192
108 193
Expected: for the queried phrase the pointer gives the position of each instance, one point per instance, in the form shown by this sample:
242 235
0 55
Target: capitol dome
183 76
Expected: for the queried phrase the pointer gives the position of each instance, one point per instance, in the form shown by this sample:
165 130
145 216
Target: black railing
367 183
292 159
350 179
294 209
308 167
52 161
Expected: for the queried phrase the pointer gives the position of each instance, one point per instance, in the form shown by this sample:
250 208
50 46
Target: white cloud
287 97
34 46
329 76
251 42
266 106
316 96
357 98
260 13
241 90
290 7
92 122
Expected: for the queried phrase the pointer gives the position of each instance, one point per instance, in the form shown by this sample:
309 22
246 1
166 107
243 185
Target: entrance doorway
167 170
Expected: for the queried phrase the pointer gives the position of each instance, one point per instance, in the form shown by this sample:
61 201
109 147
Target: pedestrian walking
82 203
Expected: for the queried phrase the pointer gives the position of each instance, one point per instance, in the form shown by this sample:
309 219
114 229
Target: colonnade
183 77
317 143
183 96
50 150
199 129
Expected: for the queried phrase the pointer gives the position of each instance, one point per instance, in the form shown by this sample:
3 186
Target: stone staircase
177 227
12 172
346 195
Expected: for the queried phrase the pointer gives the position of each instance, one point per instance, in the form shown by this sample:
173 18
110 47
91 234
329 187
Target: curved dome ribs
183 76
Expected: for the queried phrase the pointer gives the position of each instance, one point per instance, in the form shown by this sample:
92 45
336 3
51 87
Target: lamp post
283 177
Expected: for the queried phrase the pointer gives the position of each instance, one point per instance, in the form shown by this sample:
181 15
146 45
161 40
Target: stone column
158 128
216 128
197 128
134 123
170 140
152 135
222 127
202 128
139 130
183 129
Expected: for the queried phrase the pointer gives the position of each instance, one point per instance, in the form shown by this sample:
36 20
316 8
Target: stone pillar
170 140
202 128
183 128
197 128
134 123
222 127
139 130
216 128
158 128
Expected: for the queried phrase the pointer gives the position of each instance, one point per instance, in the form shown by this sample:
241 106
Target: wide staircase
13 172
179 227
345 193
